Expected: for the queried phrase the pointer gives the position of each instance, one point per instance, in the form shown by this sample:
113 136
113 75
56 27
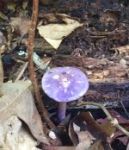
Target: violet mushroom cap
65 84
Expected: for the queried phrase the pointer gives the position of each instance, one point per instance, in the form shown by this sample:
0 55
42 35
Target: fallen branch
39 101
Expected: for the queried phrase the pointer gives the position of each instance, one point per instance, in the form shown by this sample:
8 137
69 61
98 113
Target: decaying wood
108 80
97 70
108 92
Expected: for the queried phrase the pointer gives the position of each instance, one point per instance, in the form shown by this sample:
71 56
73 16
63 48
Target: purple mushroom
64 84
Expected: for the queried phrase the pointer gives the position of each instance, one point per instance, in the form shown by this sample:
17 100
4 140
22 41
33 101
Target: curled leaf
54 33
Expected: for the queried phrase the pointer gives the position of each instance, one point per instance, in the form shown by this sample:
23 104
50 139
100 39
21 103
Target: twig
1 71
40 105
22 71
9 37
109 117
125 110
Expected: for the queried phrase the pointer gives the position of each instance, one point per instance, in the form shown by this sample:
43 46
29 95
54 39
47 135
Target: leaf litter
90 35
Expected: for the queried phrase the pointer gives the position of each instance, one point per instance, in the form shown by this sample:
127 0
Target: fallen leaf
72 133
14 137
127 147
97 146
3 16
122 121
85 140
86 133
54 33
41 64
11 6
17 99
25 4
20 24
121 137
100 130
119 117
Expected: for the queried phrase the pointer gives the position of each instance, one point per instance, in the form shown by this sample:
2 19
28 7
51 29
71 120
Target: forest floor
99 47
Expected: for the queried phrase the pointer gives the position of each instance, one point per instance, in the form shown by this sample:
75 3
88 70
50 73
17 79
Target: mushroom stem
62 110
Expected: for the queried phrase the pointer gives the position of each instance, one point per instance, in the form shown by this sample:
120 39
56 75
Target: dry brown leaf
14 137
72 134
127 147
100 130
97 146
20 25
85 140
54 33
86 133
17 99
81 139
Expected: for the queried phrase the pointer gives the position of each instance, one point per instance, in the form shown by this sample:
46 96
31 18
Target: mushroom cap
65 84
